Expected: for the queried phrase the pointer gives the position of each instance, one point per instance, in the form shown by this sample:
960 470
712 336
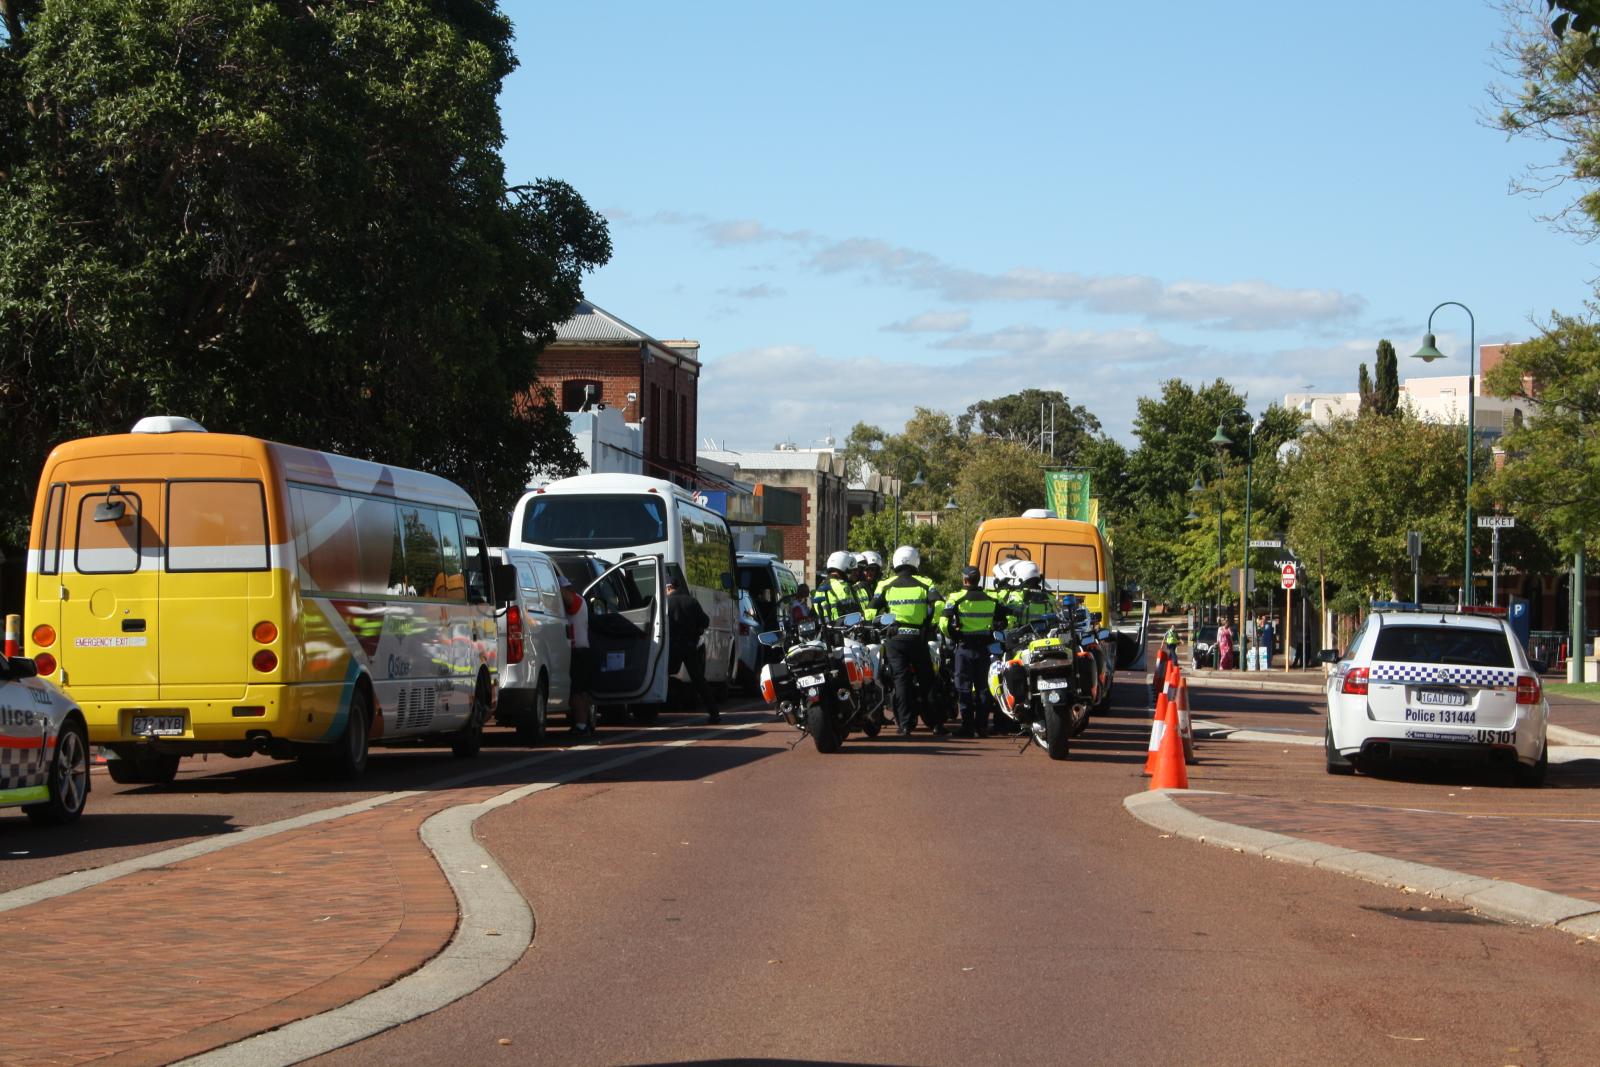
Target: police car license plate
812 679
1450 698
158 726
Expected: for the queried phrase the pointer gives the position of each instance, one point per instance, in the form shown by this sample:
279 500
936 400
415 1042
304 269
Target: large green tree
289 220
1386 380
1551 477
1354 490
1550 64
1025 417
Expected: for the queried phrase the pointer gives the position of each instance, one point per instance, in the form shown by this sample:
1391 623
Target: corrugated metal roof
592 324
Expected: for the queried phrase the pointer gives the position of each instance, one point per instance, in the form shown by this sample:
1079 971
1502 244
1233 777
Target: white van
622 516
535 647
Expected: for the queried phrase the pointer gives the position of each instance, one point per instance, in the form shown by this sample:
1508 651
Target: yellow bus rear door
110 591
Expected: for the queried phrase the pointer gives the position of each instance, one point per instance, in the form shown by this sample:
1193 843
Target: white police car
1434 685
44 746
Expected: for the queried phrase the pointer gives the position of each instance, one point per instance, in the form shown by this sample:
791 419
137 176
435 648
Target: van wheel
467 741
146 768
69 779
348 756
531 723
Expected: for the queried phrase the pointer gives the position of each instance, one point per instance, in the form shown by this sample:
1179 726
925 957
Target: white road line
495 929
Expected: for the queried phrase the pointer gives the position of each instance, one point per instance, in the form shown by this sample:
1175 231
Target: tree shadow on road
21 839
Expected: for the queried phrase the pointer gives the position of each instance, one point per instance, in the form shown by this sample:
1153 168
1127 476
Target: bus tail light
514 648
44 635
1527 689
265 632
1355 682
46 663
265 661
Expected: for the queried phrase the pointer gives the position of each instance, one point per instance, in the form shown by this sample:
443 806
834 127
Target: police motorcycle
817 686
863 643
1097 648
1045 680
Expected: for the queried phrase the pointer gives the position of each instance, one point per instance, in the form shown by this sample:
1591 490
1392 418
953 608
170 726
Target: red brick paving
1461 819
169 962
1552 854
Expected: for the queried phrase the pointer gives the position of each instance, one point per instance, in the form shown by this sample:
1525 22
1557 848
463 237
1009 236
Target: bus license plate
1450 698
158 726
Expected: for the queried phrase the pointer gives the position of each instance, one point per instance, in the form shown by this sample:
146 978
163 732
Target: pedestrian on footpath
686 622
1265 633
1225 647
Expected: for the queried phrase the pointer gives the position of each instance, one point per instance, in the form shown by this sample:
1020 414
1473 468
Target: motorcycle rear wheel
824 734
1057 729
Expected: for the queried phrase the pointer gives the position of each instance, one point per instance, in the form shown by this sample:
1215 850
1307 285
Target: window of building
575 392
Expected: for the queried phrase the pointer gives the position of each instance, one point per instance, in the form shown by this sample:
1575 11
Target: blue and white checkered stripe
1442 674
19 767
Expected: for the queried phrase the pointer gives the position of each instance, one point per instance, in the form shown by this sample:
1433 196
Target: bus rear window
1071 563
216 526
594 521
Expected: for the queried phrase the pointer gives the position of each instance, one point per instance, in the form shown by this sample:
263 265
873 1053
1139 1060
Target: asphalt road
945 901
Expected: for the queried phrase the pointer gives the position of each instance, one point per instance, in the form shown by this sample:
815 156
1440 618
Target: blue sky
858 208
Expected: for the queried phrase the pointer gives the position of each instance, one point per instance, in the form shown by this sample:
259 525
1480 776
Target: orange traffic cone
1166 702
1185 725
1170 771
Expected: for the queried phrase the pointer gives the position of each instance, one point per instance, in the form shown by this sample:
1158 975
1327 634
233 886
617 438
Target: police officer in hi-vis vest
971 616
915 604
835 595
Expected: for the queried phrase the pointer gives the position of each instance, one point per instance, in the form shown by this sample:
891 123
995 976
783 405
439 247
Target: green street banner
1067 493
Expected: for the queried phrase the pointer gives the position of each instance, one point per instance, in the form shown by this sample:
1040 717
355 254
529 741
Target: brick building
597 359
818 479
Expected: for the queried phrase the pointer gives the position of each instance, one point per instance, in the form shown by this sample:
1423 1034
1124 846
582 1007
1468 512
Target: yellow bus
198 592
1073 556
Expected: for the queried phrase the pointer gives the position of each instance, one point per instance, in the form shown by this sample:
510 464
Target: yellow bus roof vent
167 424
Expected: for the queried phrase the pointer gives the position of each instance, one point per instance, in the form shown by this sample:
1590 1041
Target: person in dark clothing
686 621
971 616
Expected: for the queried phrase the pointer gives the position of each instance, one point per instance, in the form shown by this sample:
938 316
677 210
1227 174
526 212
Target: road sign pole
1288 624
1494 569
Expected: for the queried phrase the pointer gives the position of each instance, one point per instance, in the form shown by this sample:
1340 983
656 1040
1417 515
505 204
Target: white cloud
748 231
754 292
1249 305
933 322
1241 305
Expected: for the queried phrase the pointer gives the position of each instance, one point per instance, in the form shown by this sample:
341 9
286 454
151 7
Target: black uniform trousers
911 667
972 682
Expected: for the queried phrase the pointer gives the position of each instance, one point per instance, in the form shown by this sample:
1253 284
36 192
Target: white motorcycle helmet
841 561
870 558
1002 571
906 556
1025 570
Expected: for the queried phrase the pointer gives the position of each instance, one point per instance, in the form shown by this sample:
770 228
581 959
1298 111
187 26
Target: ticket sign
1502 522
1288 576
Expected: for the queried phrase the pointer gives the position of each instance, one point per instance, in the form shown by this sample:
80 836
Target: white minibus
619 516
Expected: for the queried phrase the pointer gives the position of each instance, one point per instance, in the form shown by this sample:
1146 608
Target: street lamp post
1428 353
1222 441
